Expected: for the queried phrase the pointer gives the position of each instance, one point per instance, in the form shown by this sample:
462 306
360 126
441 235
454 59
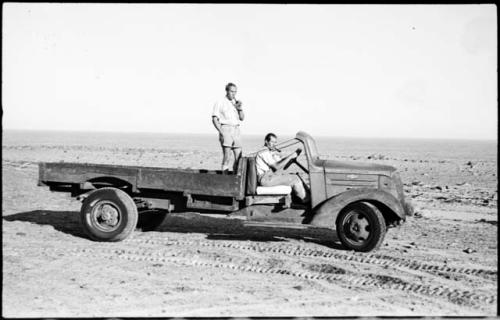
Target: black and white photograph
240 160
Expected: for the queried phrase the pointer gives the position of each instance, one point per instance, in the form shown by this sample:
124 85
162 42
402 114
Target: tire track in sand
373 258
336 275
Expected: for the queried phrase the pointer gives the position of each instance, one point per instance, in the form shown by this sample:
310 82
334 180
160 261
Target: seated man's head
270 141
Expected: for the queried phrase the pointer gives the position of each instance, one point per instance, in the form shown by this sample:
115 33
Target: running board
282 225
209 205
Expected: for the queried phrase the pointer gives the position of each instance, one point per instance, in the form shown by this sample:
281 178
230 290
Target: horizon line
246 134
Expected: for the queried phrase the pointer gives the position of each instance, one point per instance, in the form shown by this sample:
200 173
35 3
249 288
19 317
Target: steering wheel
294 160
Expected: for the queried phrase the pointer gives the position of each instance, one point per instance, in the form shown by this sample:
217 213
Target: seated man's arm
284 161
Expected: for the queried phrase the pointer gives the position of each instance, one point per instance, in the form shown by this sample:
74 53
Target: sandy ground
442 261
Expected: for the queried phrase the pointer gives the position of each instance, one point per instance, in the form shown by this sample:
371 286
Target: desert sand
441 262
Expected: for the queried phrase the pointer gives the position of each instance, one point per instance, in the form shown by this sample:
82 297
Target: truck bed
189 181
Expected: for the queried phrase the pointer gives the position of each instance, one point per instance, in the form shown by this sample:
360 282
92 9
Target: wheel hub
358 227
106 216
109 214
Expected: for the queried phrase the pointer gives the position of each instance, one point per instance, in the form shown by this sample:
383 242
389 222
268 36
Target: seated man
269 165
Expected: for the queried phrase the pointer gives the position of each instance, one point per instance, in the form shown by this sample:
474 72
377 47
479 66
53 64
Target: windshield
310 144
289 143
284 145
313 150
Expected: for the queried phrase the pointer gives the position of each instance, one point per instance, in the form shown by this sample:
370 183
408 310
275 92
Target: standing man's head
270 141
231 91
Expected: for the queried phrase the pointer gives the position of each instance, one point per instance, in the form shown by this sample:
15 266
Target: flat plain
441 262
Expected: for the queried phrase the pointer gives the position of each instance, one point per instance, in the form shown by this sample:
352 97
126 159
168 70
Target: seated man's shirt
264 160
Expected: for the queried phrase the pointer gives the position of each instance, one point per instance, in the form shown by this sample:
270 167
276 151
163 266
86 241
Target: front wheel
108 214
361 227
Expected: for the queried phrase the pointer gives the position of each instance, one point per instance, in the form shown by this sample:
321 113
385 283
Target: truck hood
354 167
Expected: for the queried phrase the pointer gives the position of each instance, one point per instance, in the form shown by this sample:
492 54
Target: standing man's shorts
230 136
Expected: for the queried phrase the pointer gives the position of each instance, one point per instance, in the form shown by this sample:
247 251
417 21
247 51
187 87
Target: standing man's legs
236 147
226 142
226 157
237 156
230 140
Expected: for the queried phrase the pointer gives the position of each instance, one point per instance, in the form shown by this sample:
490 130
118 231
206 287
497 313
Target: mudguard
326 213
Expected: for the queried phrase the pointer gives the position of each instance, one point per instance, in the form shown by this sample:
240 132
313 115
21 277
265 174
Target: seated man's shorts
269 179
230 136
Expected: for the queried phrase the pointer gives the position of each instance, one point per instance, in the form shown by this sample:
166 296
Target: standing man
226 118
270 164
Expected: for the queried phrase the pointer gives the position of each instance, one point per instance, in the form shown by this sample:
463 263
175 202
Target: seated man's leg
299 189
271 180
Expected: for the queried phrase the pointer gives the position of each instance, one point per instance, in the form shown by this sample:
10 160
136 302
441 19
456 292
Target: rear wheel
361 227
150 220
108 214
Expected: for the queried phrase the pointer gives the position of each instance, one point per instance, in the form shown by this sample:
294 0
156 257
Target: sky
388 71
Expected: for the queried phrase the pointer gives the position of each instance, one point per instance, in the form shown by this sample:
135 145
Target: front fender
325 214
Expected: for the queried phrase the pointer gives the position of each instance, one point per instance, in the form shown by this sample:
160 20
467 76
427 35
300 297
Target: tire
108 214
361 227
150 220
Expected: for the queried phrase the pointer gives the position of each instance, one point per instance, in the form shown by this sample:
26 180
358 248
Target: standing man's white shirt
226 112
